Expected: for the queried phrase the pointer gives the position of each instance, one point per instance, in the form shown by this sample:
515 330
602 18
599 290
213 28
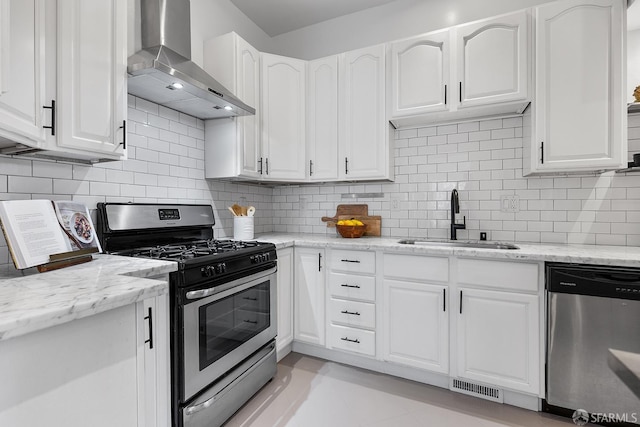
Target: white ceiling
281 16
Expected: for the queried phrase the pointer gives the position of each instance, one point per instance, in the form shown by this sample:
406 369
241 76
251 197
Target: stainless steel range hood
162 71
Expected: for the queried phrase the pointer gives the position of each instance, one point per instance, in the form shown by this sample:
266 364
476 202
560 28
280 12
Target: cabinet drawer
352 313
423 268
353 261
352 286
519 276
352 339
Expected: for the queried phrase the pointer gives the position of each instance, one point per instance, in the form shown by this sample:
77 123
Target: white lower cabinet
352 339
97 371
416 325
309 294
284 282
498 338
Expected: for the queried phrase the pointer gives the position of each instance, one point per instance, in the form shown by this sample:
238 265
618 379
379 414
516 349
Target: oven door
225 324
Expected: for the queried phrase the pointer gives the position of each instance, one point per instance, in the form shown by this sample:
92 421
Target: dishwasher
591 310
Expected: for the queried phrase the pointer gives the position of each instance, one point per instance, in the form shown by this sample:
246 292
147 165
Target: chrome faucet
455 208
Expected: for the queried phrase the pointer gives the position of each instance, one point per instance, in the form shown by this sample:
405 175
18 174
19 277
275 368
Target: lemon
358 222
349 222
341 222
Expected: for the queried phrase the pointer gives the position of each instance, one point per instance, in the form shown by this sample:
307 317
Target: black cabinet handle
460 302
542 152
350 260
310 167
445 94
444 300
51 107
149 317
344 285
353 313
460 91
346 166
124 134
350 340
260 163
319 261
266 162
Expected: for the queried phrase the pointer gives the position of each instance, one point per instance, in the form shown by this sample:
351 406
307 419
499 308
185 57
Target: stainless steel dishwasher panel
582 329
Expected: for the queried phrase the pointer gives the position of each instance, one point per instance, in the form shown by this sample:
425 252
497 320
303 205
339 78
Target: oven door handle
201 293
190 410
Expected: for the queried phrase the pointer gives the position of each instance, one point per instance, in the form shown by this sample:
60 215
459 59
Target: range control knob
207 271
221 268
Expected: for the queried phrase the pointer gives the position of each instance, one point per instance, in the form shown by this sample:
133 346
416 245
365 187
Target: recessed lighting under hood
162 71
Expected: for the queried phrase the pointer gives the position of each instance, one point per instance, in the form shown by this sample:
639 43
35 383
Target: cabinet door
492 63
416 325
153 362
22 70
580 113
283 117
322 119
309 296
497 337
91 75
248 90
364 136
285 300
420 74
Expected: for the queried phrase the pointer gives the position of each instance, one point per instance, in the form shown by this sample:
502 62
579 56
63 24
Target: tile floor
310 392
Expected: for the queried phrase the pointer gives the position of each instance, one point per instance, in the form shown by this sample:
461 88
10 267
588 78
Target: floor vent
477 390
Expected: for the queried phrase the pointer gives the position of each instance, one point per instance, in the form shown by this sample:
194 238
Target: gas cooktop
183 252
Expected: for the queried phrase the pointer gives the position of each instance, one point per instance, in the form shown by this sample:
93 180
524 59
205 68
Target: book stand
67 259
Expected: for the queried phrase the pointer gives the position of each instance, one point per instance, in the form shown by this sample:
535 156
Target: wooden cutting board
373 223
352 210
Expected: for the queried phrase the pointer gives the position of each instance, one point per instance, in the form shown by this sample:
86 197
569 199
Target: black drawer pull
351 260
344 285
357 341
353 313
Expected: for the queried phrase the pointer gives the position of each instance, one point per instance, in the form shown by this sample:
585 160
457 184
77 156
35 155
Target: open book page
32 231
75 220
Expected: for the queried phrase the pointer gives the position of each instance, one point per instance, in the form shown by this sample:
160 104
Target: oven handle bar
190 410
203 293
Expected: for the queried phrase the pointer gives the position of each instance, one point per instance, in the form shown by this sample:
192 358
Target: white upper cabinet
419 74
322 119
63 77
91 76
232 146
580 111
440 76
22 70
492 60
364 133
283 117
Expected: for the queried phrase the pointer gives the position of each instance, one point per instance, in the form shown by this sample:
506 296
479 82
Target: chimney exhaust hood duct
162 71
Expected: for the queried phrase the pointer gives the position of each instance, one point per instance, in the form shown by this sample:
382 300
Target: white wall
400 19
211 18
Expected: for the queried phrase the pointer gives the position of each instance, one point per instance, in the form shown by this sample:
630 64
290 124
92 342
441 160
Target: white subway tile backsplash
27 184
52 170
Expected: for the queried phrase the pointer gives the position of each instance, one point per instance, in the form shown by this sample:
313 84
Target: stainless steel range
223 304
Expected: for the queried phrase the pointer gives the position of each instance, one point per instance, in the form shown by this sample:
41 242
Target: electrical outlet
510 203
304 203
395 203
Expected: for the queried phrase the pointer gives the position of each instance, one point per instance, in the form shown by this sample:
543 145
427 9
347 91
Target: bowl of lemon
351 228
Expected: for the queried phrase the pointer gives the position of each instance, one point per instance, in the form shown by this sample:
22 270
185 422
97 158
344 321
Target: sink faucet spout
455 208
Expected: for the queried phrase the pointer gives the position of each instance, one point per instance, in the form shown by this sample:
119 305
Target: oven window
229 322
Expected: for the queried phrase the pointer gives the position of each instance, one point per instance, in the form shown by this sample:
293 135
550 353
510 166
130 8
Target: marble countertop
37 301
626 256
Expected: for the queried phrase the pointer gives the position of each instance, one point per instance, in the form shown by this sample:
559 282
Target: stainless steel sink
459 244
